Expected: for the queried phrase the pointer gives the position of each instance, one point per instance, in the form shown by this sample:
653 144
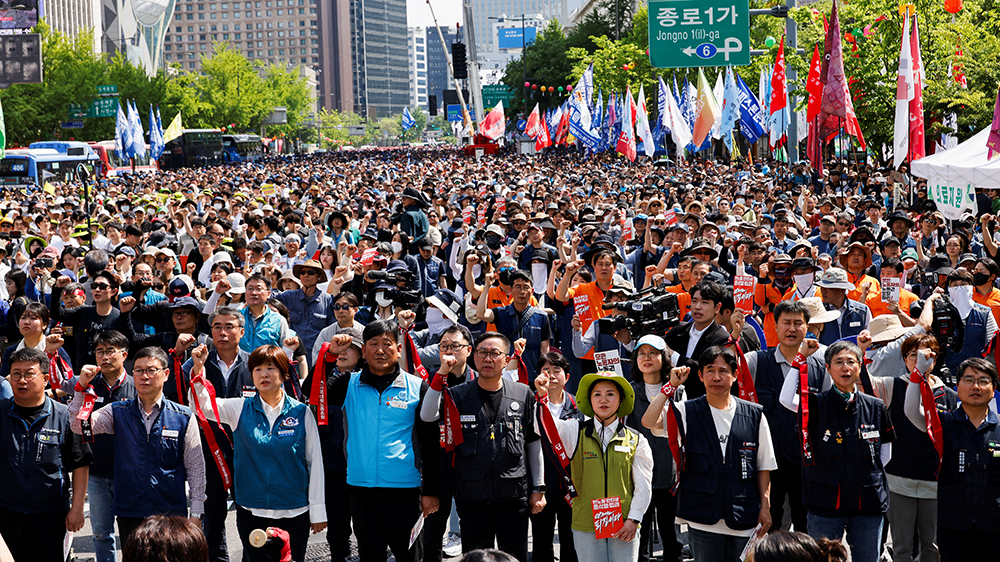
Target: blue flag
751 114
136 133
599 111
161 145
123 135
155 136
581 123
730 109
408 120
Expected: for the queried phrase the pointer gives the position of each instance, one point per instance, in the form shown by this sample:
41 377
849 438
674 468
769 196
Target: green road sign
692 33
494 94
103 107
76 111
107 89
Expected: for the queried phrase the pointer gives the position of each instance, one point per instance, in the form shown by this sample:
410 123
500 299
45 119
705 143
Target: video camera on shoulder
400 297
656 311
949 331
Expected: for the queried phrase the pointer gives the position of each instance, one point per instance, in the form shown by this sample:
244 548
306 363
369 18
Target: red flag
626 140
958 69
522 371
917 147
495 123
543 140
531 127
562 131
813 85
413 358
836 108
451 428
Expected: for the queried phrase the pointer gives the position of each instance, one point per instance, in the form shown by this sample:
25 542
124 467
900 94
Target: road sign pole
791 34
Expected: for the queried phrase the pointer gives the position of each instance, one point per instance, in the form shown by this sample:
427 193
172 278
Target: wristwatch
538 489
637 523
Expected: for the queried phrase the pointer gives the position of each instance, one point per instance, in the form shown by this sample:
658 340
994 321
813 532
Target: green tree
547 65
233 89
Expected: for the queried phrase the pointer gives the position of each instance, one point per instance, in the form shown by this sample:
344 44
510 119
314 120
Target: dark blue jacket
969 482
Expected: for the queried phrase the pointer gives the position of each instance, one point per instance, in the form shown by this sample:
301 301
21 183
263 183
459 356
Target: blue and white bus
46 161
242 148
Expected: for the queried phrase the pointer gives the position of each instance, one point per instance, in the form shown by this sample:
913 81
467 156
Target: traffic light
458 61
432 101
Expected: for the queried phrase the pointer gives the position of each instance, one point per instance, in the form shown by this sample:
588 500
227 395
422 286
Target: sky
448 12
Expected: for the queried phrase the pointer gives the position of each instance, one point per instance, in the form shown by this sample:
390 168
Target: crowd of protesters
362 343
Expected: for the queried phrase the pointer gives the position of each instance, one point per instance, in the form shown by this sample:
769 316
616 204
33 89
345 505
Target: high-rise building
336 76
70 17
438 75
270 31
482 12
416 50
381 69
134 28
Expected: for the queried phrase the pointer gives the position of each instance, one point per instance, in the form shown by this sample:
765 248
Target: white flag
904 93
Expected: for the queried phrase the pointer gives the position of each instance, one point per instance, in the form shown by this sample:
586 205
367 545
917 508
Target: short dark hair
554 359
490 335
461 330
991 265
977 363
162 538
841 346
728 303
107 276
350 297
269 354
791 307
378 328
155 353
260 278
709 290
114 338
487 555
785 546
711 354
38 357
961 275
37 310
520 275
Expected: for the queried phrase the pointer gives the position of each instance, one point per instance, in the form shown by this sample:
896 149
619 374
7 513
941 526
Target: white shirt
723 420
693 339
228 369
229 414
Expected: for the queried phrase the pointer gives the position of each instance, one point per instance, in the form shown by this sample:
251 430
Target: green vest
597 474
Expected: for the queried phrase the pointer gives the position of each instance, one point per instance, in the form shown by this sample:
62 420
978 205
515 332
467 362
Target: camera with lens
949 331
656 311
400 297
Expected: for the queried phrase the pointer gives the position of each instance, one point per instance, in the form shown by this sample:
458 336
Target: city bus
242 148
42 162
112 165
195 147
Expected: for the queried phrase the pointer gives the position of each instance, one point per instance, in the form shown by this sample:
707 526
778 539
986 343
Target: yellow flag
174 130
49 188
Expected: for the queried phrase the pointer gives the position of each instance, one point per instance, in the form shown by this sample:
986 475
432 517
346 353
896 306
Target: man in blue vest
39 453
393 458
854 316
770 369
157 446
968 509
724 489
262 325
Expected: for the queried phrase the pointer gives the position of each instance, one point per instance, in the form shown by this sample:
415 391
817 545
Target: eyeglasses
845 363
23 376
145 372
105 352
100 286
971 381
953 245
257 289
454 347
225 327
519 223
650 355
490 355
308 272
844 223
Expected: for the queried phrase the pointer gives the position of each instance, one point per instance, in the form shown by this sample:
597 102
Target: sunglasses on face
100 286
309 272
341 307
162 259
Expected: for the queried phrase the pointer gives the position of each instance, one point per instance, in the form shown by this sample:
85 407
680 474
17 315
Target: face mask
504 275
782 278
397 247
436 321
804 281
980 279
218 206
493 242
125 207
722 228
477 270
741 201
961 297
381 299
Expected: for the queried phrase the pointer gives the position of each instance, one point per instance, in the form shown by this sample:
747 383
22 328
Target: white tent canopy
963 165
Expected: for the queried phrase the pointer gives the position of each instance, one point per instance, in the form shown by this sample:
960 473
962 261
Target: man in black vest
845 439
499 475
87 321
226 369
968 484
770 369
688 340
35 510
724 488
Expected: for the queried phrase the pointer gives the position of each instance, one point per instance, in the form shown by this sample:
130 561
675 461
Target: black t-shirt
75 453
491 402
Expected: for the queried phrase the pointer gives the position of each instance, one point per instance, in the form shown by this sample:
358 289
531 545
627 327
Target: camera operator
688 340
596 339
980 326
394 290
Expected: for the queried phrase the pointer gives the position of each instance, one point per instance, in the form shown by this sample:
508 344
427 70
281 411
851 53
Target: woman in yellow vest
610 464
